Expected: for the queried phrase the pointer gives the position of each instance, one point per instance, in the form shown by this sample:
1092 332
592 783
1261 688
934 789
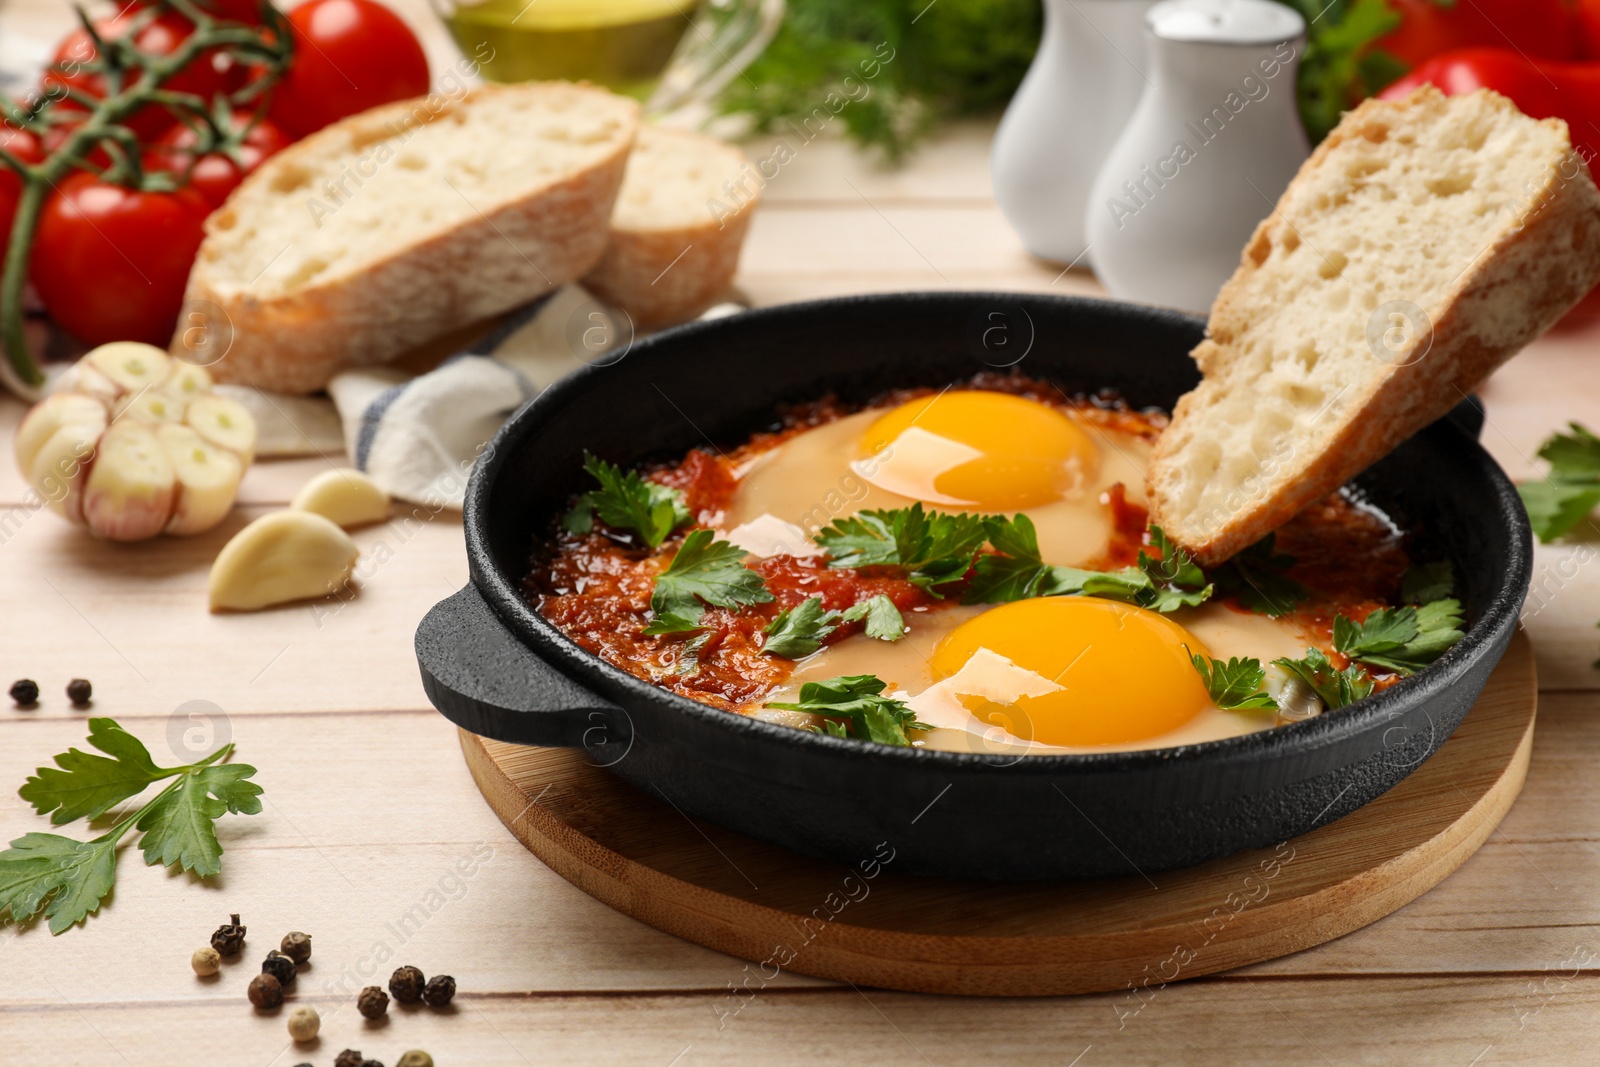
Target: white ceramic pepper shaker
1214 141
1085 81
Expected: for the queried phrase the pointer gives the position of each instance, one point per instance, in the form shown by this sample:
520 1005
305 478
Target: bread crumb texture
1422 244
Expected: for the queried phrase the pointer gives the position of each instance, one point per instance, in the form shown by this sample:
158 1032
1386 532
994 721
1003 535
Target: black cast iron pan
494 666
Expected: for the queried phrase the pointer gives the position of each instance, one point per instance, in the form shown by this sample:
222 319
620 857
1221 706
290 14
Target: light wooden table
370 811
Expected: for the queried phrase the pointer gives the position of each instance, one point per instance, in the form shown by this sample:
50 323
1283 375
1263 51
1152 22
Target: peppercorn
406 984
349 1058
370 1063
415 1058
440 990
206 961
229 938
265 992
25 691
304 1023
297 947
79 691
372 1002
279 966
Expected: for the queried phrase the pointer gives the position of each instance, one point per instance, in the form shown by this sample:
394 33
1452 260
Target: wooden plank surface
371 815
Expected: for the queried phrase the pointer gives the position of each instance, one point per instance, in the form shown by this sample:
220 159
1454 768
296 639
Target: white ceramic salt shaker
1214 141
1085 81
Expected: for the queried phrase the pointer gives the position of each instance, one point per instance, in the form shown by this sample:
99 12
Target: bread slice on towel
1422 244
680 222
402 223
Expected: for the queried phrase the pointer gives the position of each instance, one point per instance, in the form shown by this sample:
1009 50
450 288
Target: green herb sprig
1403 640
708 570
68 878
1338 689
854 706
627 502
930 548
1258 579
1571 491
800 630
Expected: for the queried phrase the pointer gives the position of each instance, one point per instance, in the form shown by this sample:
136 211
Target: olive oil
621 44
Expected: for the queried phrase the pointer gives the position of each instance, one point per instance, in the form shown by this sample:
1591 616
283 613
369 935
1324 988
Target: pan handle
484 680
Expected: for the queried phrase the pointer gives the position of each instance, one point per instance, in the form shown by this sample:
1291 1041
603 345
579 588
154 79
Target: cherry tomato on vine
215 175
1538 29
208 75
111 263
246 11
25 147
349 55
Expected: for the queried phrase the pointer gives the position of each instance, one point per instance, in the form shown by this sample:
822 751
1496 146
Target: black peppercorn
229 938
373 1002
297 947
279 966
440 990
406 984
265 992
79 691
25 691
349 1058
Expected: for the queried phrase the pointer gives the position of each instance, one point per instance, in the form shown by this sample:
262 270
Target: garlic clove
207 476
61 467
51 414
131 486
225 423
82 378
185 382
281 557
132 365
149 407
344 495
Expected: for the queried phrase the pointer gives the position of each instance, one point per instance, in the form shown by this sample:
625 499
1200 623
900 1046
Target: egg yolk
1107 673
976 449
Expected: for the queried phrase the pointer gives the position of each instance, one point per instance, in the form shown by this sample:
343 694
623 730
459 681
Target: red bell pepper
1540 88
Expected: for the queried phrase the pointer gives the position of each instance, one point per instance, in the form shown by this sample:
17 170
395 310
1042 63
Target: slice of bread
402 223
1422 244
679 224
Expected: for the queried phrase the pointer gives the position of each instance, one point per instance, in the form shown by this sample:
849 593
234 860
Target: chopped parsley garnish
1234 685
1256 578
931 548
1571 490
1426 582
1338 689
1403 640
67 878
706 570
1018 572
799 631
854 706
627 502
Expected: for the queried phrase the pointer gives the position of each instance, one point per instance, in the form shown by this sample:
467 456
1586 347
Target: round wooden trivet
787 912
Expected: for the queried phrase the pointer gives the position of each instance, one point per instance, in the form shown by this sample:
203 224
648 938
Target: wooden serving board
787 912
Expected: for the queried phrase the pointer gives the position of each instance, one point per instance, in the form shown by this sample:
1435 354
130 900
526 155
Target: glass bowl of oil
664 52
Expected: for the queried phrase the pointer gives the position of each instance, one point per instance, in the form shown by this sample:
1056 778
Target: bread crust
504 257
1512 293
664 276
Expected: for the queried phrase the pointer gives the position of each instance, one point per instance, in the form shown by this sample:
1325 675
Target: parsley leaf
1426 582
1234 685
627 502
704 569
1571 490
931 548
883 619
69 879
73 876
1338 689
1256 578
854 706
799 631
85 786
1403 640
1176 580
